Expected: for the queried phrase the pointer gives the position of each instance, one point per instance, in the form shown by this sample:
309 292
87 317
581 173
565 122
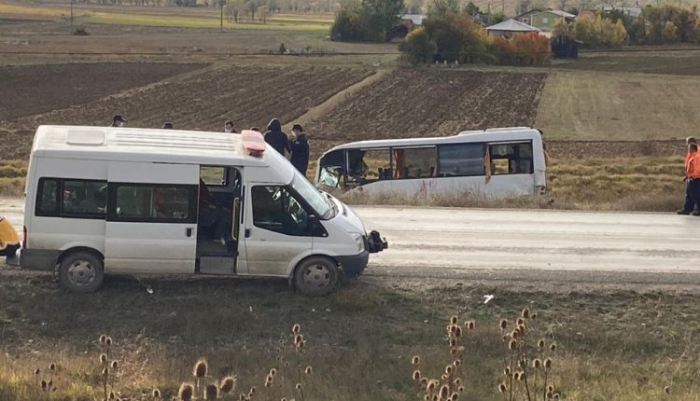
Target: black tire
316 276
81 272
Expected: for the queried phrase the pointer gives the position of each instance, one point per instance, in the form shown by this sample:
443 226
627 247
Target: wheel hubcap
317 276
81 273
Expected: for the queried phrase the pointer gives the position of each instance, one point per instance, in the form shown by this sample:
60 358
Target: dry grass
596 106
612 345
651 184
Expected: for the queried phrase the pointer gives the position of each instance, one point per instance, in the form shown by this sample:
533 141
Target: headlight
359 241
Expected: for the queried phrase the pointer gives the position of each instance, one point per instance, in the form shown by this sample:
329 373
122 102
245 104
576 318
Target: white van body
132 199
455 164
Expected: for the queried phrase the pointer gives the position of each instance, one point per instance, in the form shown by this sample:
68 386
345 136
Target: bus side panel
499 186
61 233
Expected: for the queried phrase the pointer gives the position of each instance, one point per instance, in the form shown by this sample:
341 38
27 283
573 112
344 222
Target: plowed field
414 103
32 89
250 95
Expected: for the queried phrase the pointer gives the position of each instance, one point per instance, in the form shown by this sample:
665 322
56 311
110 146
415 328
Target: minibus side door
151 218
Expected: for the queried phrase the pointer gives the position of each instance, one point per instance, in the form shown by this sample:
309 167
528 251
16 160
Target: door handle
247 232
188 232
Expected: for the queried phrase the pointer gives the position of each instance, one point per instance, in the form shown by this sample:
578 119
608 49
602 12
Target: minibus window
276 209
511 158
319 203
47 197
155 203
84 198
461 160
215 176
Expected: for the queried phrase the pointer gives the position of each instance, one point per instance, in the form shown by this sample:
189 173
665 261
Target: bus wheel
81 272
316 276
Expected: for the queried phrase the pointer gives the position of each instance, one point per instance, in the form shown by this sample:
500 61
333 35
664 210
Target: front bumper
375 243
354 265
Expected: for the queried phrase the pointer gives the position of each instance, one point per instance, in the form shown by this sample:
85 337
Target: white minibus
496 162
150 201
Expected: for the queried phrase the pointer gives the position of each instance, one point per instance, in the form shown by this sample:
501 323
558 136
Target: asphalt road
524 245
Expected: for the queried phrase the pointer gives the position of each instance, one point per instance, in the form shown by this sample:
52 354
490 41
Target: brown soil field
414 103
203 100
43 88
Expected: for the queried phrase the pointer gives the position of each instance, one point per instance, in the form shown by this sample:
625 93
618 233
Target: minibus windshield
312 195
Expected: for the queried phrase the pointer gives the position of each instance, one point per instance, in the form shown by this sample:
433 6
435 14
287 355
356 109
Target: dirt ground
61 86
431 102
204 99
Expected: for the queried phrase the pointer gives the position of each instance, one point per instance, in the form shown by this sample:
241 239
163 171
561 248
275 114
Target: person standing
228 127
693 177
276 138
299 149
118 121
688 205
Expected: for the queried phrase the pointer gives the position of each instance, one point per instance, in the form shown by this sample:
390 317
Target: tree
232 9
471 9
458 37
380 16
562 29
442 7
348 26
669 32
263 12
497 18
251 7
417 47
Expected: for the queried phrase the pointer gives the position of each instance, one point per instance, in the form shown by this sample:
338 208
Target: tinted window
154 203
84 198
71 198
461 160
47 197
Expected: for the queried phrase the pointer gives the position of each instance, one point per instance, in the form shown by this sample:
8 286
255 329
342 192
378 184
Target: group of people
297 147
692 178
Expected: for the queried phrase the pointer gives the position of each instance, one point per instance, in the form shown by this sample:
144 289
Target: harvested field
60 86
202 100
632 107
413 103
660 60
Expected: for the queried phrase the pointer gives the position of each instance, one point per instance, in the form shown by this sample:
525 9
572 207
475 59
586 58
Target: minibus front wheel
316 275
81 272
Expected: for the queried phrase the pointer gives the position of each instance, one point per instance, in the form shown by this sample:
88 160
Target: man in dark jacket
276 138
299 148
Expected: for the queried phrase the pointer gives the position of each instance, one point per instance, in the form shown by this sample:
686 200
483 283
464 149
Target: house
545 20
586 14
510 28
406 22
632 12
411 20
526 17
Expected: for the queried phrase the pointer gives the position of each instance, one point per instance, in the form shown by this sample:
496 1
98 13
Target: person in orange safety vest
688 205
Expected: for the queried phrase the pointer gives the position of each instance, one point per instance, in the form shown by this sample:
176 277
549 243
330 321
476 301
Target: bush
348 27
457 38
417 47
533 48
504 50
599 32
81 31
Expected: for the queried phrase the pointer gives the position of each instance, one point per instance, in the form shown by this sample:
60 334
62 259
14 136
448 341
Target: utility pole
221 22
71 16
503 7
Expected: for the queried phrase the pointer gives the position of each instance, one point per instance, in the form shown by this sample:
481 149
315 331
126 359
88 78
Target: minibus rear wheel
81 272
316 276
